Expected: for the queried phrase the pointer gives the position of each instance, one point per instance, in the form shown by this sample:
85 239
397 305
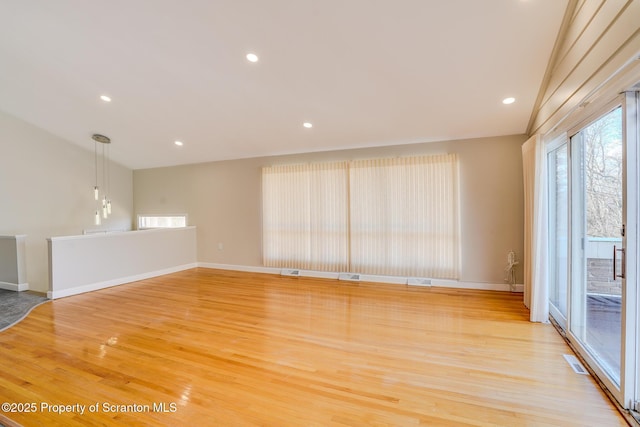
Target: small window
161 221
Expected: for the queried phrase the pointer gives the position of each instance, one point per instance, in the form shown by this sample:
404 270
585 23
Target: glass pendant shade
106 204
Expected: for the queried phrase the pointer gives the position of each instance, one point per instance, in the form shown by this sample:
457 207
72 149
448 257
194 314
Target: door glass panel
596 230
558 231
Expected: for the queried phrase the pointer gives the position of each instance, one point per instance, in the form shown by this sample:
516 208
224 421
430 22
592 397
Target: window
386 216
161 221
305 216
593 239
404 216
597 212
558 215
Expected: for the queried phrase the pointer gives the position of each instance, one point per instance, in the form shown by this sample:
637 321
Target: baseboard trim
502 287
244 268
395 280
55 294
19 287
320 274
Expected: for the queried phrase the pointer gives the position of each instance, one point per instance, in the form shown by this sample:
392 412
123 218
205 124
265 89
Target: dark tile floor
16 305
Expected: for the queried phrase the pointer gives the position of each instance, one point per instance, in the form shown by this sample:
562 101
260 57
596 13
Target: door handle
622 262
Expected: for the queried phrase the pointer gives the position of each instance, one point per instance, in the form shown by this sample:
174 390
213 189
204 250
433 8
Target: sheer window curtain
405 216
305 216
536 293
396 217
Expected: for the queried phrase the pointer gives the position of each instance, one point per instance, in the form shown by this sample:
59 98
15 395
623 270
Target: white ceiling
364 72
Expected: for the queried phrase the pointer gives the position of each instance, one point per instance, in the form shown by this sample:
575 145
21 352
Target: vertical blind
404 216
395 216
305 216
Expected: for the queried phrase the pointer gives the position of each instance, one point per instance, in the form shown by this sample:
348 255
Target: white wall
13 273
600 38
46 189
223 199
90 262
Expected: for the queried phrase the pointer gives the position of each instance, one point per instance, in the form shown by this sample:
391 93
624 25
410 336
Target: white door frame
629 390
631 344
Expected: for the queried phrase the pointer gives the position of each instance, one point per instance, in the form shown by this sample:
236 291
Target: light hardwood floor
232 349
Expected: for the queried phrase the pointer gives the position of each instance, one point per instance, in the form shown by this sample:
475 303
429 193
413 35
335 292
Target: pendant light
105 207
95 156
108 180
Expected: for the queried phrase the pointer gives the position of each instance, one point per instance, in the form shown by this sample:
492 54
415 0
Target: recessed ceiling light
508 100
178 143
105 98
252 57
307 125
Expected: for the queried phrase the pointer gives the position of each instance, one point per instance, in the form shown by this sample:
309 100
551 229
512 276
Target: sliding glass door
593 184
558 179
597 241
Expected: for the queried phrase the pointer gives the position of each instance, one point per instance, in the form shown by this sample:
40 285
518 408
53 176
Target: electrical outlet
220 246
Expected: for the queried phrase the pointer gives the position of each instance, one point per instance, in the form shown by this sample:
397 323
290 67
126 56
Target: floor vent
353 277
289 272
418 281
575 364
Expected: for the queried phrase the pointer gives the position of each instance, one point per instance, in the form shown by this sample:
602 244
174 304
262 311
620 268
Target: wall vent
289 272
353 277
418 281
575 364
